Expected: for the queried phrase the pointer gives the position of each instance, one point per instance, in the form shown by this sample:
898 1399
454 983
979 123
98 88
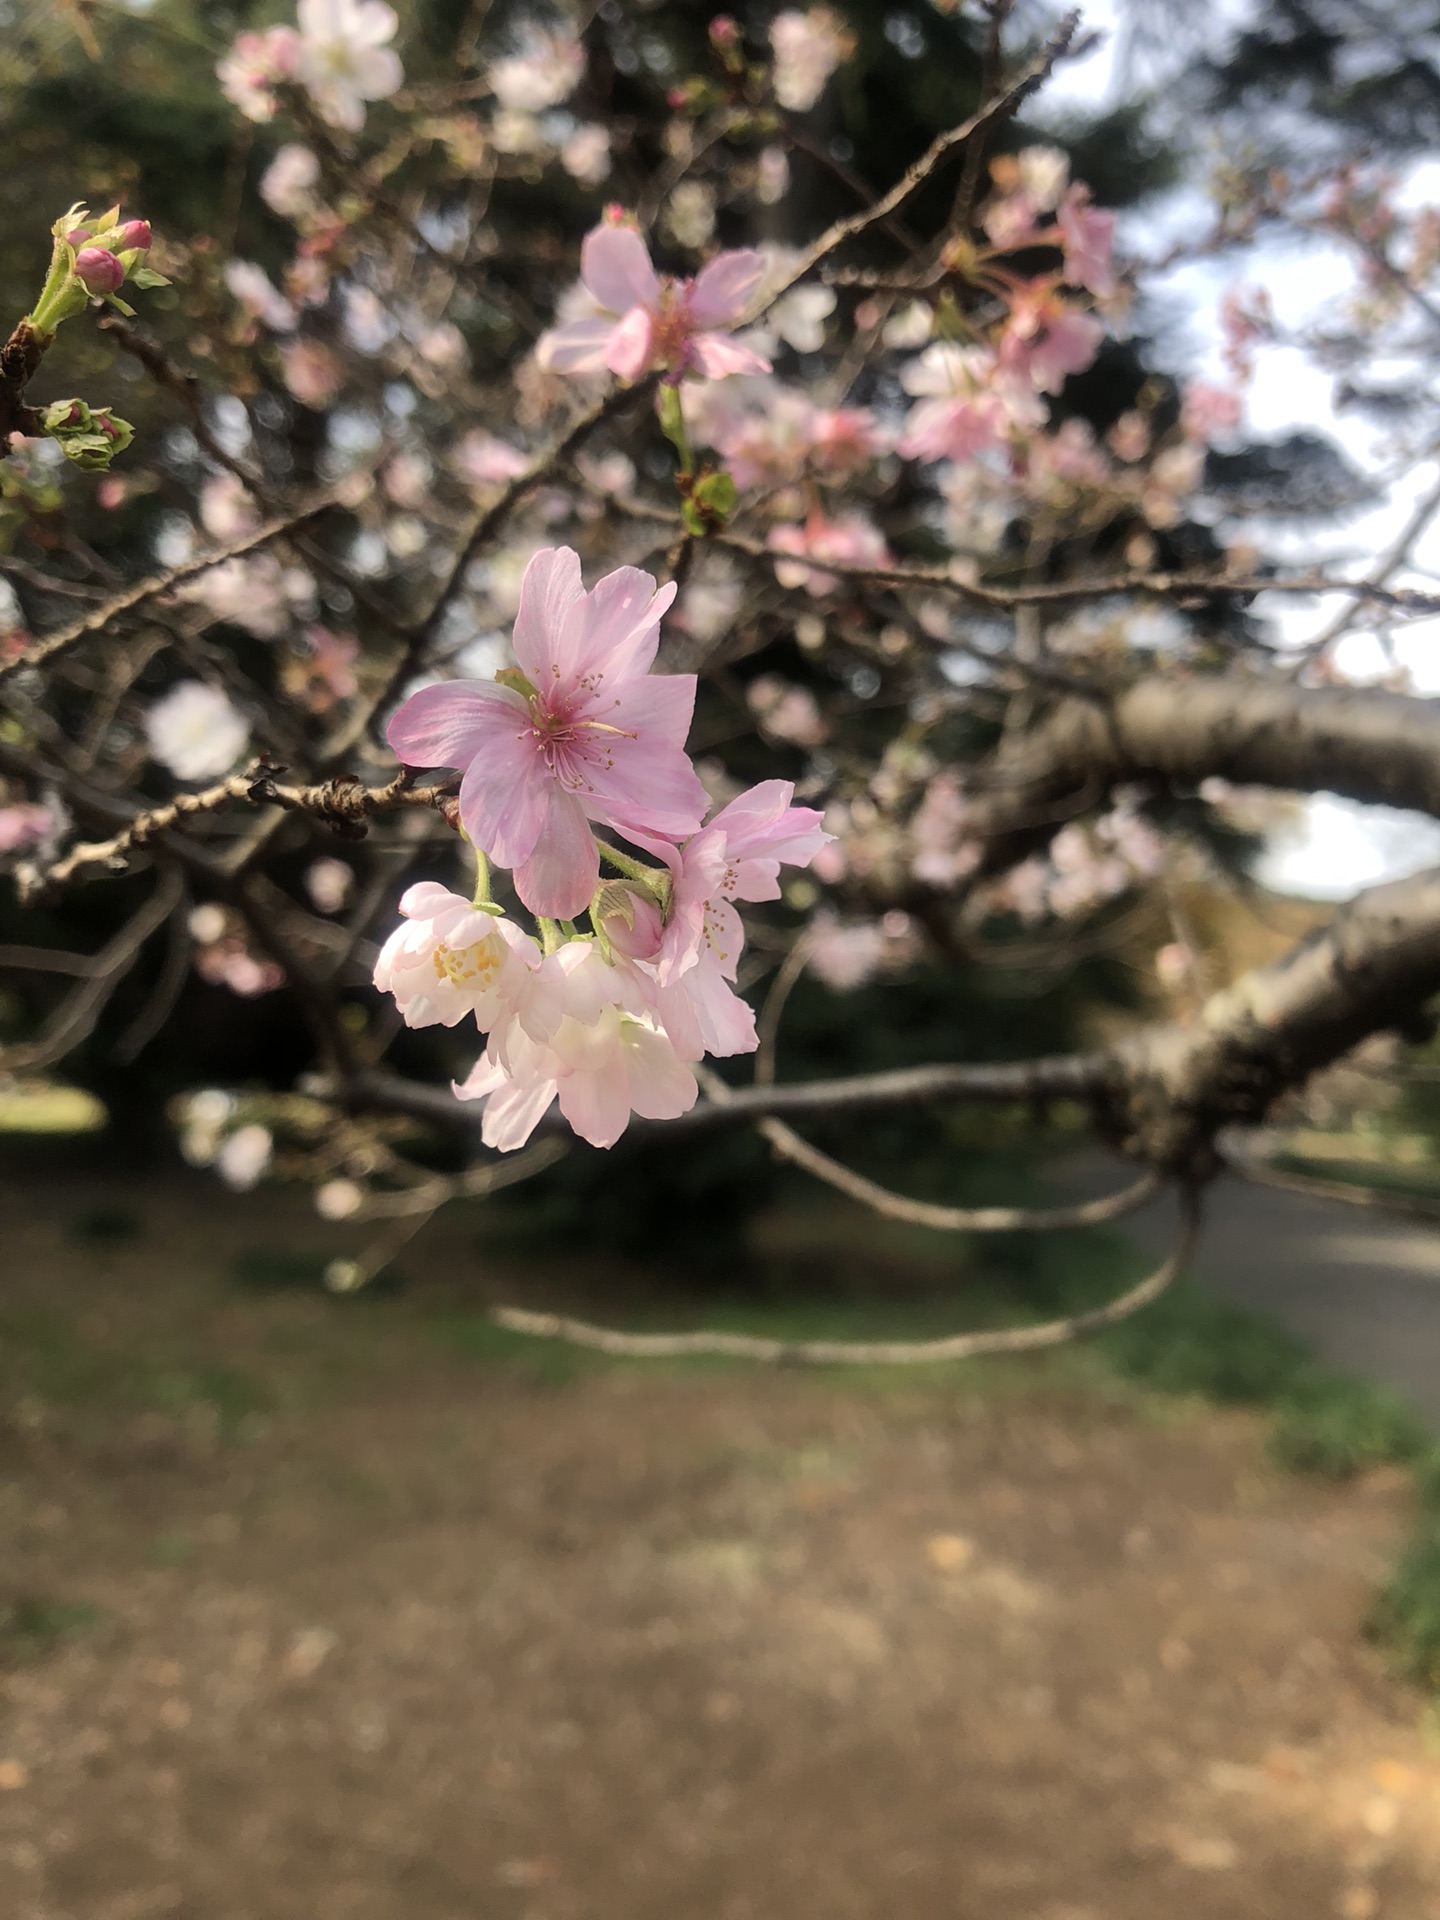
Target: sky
1335 846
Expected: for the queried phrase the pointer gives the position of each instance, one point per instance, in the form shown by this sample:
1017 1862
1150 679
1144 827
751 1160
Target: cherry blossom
640 319
255 291
22 826
288 184
344 59
969 405
449 958
851 540
196 732
586 734
585 156
1088 236
600 1071
808 47
255 65
245 1157
1045 340
546 70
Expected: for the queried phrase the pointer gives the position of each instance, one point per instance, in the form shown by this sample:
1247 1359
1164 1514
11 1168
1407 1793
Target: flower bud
90 436
134 234
98 270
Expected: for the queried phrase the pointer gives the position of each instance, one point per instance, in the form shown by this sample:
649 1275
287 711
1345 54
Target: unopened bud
134 234
90 436
98 270
723 31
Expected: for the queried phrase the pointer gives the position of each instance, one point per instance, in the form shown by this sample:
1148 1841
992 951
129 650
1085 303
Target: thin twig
63 638
76 1016
872 1353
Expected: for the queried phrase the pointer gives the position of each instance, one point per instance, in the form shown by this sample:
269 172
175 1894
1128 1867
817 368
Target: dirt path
349 1612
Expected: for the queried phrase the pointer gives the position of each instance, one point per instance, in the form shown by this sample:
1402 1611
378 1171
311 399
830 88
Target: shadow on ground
357 1609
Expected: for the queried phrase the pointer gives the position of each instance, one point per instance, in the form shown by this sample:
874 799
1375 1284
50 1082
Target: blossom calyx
90 436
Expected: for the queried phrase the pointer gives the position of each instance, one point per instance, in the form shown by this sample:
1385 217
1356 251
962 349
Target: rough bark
1376 747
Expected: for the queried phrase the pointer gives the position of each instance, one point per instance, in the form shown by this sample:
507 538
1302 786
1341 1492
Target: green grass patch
46 1354
32 1627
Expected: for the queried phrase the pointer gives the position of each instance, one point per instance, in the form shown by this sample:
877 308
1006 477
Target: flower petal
551 587
579 346
562 868
722 290
647 781
615 266
615 630
504 796
719 354
628 353
446 725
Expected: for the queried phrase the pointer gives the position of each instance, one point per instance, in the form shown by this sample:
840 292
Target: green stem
481 896
551 938
672 424
655 878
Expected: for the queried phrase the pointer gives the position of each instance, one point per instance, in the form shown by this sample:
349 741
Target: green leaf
148 277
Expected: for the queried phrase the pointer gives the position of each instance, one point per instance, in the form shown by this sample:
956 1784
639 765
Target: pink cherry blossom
601 1072
22 825
1046 341
970 405
593 736
736 856
642 319
851 540
448 959
845 954
253 67
1088 236
485 460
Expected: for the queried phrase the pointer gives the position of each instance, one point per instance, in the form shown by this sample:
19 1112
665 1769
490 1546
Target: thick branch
1377 747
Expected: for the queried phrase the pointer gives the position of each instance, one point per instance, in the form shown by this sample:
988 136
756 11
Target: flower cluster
340 55
608 1021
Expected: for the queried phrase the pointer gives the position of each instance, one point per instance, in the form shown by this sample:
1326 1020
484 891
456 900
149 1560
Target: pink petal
722 290
447 725
563 869
719 354
487 1076
615 629
649 782
504 796
615 267
662 1087
597 1105
628 353
550 588
512 1114
580 346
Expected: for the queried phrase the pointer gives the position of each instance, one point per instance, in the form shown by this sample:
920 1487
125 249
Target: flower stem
652 877
481 896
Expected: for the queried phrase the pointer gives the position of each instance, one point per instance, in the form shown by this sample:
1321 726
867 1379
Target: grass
33 1627
49 1353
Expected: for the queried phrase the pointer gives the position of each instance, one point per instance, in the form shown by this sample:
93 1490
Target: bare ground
350 1612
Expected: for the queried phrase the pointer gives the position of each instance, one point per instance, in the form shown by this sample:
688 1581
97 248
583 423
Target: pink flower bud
723 31
78 236
98 270
136 234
